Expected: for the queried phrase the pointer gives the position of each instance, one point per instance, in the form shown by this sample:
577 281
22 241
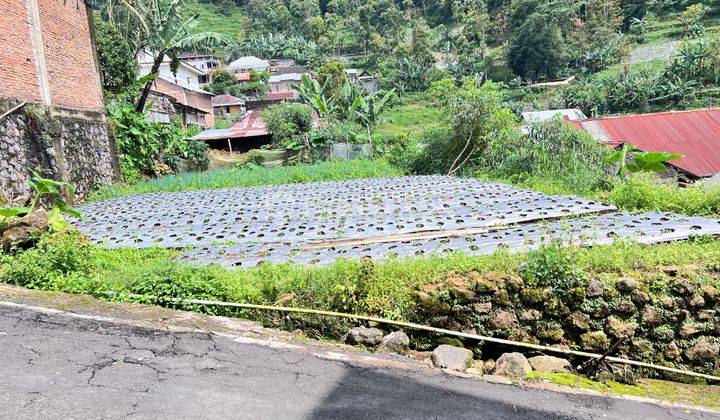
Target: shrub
288 122
552 151
475 117
552 267
337 132
644 193
149 149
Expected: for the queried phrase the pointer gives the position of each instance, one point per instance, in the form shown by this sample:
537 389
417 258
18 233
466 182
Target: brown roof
226 100
193 98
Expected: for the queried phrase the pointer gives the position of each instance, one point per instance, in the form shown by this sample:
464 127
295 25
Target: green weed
252 176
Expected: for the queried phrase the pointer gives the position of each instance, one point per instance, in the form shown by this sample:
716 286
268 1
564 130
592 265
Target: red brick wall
71 67
18 75
69 57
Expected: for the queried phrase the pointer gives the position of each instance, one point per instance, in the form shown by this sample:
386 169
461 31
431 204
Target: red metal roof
252 125
279 96
695 134
226 99
242 77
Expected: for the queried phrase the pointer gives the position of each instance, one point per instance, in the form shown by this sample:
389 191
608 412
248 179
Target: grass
654 67
701 395
212 19
640 193
252 176
412 116
68 263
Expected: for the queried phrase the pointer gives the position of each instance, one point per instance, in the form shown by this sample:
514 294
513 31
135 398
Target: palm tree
160 28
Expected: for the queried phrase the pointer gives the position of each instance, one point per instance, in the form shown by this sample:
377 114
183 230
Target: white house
280 83
204 62
186 76
247 64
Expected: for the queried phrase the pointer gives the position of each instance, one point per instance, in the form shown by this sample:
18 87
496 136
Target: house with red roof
226 105
695 134
246 134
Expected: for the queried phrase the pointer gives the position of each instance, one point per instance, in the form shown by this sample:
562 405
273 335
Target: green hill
227 19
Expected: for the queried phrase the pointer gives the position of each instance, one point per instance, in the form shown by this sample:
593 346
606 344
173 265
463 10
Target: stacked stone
69 148
677 322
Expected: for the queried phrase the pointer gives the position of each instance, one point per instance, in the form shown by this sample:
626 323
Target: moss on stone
690 394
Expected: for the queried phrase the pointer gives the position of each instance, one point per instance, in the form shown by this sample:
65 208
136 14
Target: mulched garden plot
317 223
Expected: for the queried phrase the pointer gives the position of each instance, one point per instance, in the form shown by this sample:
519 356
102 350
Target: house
695 134
193 107
548 115
243 77
206 63
352 74
186 75
271 98
247 134
48 63
248 64
369 82
281 83
288 69
364 79
281 62
226 105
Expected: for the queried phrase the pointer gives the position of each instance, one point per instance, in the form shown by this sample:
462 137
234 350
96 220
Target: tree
538 51
599 43
332 77
691 19
162 30
289 125
475 117
366 110
312 94
117 61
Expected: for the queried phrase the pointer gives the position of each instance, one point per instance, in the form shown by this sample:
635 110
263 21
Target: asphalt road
55 366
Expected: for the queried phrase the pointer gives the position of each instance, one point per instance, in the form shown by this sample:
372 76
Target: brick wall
69 58
18 75
69 55
47 57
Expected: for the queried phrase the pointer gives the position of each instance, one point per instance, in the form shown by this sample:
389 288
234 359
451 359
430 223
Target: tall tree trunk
140 106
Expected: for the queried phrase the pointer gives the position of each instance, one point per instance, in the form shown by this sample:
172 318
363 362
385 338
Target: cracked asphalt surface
57 366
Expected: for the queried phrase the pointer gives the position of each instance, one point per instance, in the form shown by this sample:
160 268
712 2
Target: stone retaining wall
672 320
64 145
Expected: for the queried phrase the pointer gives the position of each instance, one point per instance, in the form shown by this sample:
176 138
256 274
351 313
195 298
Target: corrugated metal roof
252 125
285 77
278 96
695 134
226 100
193 98
548 115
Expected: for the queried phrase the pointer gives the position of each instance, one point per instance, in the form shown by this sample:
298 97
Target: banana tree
311 93
368 109
639 161
160 28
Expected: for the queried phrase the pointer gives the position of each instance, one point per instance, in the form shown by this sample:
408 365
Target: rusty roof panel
695 134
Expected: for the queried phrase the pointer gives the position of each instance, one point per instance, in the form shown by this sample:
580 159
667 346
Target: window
227 109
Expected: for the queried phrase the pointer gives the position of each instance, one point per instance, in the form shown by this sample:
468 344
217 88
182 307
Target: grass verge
691 394
252 176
